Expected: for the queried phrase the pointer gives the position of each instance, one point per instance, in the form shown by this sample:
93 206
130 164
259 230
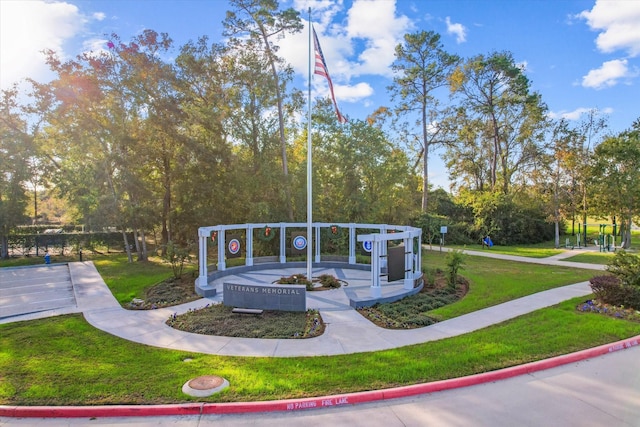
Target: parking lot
35 289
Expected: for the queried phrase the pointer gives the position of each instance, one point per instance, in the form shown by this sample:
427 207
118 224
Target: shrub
607 289
626 267
177 256
296 279
455 261
611 290
328 281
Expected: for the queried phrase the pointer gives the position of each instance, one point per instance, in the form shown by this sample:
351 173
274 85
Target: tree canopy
158 140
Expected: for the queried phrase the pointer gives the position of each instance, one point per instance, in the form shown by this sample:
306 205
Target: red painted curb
309 403
100 411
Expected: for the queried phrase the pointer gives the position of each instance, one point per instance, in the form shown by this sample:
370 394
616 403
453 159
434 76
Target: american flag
321 70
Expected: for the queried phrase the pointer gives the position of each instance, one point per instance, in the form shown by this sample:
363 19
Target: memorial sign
265 296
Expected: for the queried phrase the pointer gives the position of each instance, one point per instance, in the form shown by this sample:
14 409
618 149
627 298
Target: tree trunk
166 204
145 254
127 248
425 183
137 240
626 239
283 141
4 247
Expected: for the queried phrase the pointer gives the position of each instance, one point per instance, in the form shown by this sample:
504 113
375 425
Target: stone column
203 235
283 240
352 243
221 250
249 242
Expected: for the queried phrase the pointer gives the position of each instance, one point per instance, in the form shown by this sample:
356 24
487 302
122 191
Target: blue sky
579 54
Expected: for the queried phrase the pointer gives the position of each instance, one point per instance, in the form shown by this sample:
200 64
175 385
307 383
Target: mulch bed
410 313
167 293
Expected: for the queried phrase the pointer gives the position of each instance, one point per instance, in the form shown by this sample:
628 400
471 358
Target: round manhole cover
206 382
205 385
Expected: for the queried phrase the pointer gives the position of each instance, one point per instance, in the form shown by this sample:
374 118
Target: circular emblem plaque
299 242
234 246
367 246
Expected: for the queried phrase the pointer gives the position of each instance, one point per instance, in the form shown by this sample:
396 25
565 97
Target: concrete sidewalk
558 259
596 391
346 330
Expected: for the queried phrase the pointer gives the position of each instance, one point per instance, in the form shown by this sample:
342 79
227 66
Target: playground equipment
606 242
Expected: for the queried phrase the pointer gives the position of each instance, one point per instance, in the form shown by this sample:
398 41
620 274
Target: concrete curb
314 402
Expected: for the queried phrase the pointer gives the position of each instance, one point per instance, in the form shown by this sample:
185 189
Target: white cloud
618 23
29 27
95 47
371 25
608 75
376 24
456 29
524 66
354 93
577 113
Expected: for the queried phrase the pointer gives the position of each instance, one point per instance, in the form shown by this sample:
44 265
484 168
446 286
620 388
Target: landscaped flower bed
320 283
411 312
594 306
218 319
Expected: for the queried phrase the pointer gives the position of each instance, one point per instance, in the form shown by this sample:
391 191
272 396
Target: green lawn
534 251
128 280
494 281
592 258
65 361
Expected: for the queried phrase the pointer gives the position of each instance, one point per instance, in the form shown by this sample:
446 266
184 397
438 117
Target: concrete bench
247 310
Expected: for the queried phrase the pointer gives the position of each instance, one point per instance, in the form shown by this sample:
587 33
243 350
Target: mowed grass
494 281
65 361
129 280
540 250
592 258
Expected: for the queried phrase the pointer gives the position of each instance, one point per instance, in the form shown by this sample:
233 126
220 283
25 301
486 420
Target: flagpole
309 176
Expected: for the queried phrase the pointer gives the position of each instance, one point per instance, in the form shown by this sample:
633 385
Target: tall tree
614 178
554 179
359 175
467 160
15 144
496 94
263 22
87 130
150 83
421 66
592 128
116 122
206 191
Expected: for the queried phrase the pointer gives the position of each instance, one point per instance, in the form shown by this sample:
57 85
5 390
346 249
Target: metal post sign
443 231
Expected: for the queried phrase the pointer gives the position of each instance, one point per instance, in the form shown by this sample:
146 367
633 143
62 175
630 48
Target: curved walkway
584 391
346 330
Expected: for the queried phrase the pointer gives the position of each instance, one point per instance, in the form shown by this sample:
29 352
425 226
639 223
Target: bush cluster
509 219
328 281
626 267
622 286
296 279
